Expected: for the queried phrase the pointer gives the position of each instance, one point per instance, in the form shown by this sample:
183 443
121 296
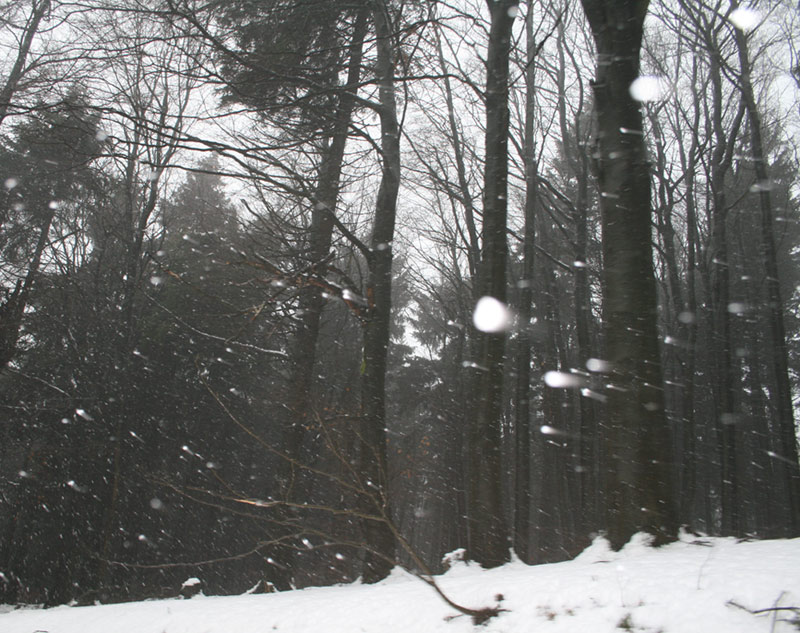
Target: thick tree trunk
488 533
639 494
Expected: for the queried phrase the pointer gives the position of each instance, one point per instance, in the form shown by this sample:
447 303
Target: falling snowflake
744 18
491 315
649 88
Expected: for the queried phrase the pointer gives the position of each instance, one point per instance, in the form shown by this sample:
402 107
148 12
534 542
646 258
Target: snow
691 586
598 365
745 18
491 315
649 88
563 380
191 582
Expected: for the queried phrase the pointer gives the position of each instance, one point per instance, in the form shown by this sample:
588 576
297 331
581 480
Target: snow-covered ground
693 586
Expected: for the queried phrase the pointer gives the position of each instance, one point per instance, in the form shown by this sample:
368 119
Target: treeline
241 247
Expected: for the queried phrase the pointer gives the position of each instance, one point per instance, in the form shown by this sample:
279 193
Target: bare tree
789 465
24 36
488 532
639 494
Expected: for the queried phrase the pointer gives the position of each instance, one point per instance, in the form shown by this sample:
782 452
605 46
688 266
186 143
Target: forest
296 291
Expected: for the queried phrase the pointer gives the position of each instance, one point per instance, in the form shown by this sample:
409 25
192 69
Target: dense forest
294 291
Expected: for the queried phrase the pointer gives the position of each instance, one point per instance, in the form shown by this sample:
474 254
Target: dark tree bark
719 290
379 539
639 493
578 160
522 421
311 302
787 442
29 31
687 449
589 457
488 533
13 309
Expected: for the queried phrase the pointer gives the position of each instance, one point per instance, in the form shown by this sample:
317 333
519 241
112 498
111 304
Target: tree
285 65
200 206
488 533
248 387
27 32
777 331
52 176
47 162
373 463
639 492
522 422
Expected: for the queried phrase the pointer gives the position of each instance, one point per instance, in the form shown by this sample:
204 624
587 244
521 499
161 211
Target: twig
773 610
227 341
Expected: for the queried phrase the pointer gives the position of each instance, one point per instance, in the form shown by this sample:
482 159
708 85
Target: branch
366 251
272 352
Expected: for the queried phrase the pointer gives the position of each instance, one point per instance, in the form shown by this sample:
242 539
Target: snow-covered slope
693 586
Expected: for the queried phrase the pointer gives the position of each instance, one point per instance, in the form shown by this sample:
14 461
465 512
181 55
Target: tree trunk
378 536
688 328
578 160
12 311
311 302
777 331
488 533
40 8
640 495
721 317
522 421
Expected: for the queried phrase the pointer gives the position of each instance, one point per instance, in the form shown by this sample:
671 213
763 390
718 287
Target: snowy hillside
693 586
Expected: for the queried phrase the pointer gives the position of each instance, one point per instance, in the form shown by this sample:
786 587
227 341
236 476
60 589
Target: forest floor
697 585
